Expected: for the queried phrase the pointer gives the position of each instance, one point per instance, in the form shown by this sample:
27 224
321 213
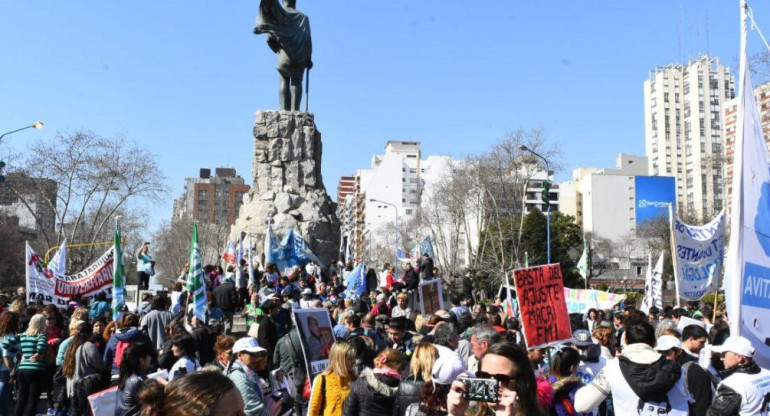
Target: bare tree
171 246
98 178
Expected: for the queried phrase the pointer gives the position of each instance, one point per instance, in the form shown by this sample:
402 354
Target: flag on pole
582 264
269 244
195 283
238 258
250 253
653 286
58 264
747 273
356 281
118 275
229 253
510 305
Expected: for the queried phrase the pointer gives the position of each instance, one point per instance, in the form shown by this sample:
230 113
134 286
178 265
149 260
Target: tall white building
612 203
683 130
400 180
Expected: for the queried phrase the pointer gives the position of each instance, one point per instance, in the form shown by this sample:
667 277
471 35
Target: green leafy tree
565 236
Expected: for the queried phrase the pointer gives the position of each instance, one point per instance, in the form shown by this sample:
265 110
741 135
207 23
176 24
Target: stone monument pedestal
287 184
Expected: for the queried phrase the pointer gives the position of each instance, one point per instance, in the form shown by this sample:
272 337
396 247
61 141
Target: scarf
388 372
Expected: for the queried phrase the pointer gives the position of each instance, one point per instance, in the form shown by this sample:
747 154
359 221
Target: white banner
747 273
43 284
699 256
581 300
653 286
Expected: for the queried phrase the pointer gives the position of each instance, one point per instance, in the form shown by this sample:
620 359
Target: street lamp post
38 125
395 208
547 201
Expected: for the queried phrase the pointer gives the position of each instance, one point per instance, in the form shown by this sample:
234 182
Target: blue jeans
5 391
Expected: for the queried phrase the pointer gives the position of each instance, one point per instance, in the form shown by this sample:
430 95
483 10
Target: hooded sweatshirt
640 377
129 335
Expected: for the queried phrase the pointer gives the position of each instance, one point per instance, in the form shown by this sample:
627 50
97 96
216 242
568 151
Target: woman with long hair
606 341
374 392
202 394
81 360
420 368
144 265
31 371
510 366
331 388
133 371
9 326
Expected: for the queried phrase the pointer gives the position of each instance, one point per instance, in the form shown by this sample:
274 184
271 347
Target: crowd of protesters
387 360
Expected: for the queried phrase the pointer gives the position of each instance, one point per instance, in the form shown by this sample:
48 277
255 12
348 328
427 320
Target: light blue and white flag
270 245
58 264
747 274
356 281
653 286
250 253
699 254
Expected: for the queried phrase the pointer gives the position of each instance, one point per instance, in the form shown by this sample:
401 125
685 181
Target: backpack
119 349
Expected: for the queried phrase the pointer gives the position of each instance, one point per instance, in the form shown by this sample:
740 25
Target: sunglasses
504 379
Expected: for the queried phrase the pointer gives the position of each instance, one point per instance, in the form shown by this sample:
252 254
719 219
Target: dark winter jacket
698 383
409 391
650 382
226 297
728 401
128 403
371 395
288 356
131 335
411 279
564 397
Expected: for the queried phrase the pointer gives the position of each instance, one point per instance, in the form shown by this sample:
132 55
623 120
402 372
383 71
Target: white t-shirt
183 366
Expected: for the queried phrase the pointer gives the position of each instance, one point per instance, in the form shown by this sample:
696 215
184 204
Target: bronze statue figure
288 35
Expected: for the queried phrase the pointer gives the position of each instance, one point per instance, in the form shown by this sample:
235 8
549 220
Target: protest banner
544 313
314 327
581 300
57 289
653 286
431 297
699 256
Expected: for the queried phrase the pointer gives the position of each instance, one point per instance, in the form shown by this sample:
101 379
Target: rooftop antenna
707 34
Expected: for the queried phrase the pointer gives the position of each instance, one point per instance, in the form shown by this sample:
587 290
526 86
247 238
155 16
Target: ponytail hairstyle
194 394
83 336
389 358
562 362
131 361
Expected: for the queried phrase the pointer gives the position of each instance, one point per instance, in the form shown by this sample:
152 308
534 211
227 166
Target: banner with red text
58 289
544 315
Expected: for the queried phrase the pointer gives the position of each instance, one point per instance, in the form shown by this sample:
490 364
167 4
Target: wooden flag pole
673 253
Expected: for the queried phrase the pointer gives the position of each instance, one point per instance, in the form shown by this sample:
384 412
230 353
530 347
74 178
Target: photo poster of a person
315 333
431 297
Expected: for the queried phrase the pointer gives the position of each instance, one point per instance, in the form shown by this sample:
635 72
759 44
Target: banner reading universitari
699 256
57 289
581 300
543 308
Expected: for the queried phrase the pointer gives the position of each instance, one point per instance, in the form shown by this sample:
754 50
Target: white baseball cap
667 342
447 368
247 344
737 345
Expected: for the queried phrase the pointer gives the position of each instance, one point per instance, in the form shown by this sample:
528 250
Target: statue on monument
288 35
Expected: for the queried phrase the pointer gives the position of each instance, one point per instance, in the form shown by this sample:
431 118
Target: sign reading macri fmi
653 196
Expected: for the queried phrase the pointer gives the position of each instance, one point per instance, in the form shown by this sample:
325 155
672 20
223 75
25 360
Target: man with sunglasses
251 359
697 380
746 386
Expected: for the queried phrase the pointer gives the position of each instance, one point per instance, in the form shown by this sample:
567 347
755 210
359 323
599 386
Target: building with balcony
212 199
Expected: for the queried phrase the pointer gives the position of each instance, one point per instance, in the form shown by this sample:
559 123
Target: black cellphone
481 389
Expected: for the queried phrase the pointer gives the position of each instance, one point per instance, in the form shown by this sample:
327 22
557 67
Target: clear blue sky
184 78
